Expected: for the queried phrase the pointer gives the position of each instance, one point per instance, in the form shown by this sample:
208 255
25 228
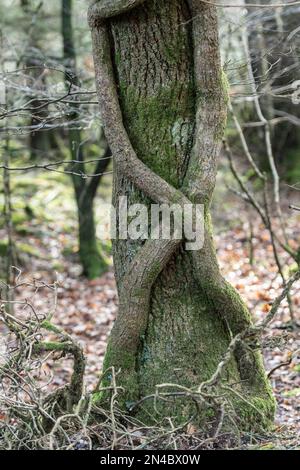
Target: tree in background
41 141
85 190
163 102
274 42
47 123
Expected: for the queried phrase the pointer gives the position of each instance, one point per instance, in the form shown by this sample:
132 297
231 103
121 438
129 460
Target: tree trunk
92 262
177 314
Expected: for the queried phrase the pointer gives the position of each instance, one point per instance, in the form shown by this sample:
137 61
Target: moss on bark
93 263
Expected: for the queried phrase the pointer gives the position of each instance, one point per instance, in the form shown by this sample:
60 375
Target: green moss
257 415
117 59
221 126
169 115
24 230
225 85
292 166
174 51
94 265
178 346
97 397
50 327
18 218
3 248
49 346
124 364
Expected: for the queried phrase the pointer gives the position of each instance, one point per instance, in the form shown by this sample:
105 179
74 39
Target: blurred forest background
56 172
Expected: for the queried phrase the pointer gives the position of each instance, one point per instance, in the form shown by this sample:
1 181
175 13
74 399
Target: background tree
85 190
158 74
41 142
46 122
274 42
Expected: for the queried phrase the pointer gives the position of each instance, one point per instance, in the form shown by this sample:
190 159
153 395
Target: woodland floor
86 309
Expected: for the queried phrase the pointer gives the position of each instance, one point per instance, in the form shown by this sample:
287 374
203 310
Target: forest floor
86 309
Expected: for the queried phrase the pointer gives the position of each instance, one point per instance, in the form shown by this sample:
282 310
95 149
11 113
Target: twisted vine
197 187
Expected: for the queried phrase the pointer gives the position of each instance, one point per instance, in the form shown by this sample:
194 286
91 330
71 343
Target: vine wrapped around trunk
162 96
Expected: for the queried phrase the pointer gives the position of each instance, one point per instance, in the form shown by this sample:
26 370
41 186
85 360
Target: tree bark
177 313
